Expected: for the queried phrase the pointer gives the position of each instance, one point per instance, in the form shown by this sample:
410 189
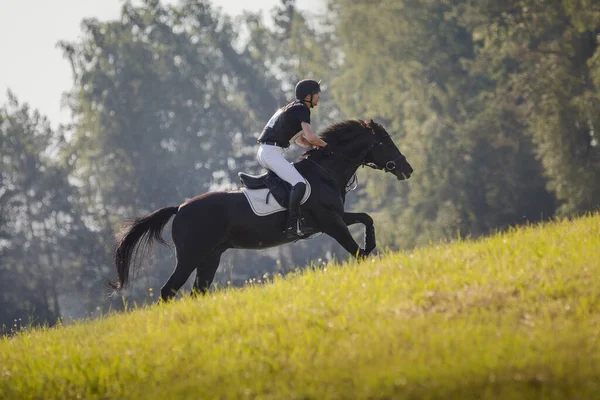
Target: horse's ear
371 125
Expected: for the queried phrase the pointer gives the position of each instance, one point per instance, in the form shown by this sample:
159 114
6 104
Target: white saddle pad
258 201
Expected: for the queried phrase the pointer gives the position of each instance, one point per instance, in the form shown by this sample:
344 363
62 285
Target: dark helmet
306 87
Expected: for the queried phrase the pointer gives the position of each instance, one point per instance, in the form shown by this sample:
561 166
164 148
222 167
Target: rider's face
315 99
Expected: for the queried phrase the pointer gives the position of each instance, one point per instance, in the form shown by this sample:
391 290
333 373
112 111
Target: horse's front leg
333 224
367 221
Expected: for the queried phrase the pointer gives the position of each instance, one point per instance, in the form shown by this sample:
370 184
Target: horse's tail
137 239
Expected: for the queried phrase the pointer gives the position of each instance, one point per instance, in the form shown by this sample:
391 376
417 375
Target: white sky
33 67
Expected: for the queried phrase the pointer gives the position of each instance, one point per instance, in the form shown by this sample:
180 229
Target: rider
291 123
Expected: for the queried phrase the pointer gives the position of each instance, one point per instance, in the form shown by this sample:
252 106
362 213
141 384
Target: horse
207 225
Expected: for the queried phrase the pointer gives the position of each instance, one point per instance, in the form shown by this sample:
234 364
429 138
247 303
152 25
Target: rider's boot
292 227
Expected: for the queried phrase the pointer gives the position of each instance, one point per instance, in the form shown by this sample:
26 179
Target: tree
544 59
413 69
43 239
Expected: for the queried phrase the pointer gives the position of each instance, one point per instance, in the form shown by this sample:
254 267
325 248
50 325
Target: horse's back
228 215
220 204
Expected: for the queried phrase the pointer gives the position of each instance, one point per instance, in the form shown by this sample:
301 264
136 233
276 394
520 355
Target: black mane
337 134
343 131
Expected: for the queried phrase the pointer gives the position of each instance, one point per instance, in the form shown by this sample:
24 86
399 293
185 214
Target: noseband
389 165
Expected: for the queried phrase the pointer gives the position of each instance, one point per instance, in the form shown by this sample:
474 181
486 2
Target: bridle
389 166
360 161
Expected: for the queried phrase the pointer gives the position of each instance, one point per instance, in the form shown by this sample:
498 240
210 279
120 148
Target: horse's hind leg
194 244
199 228
183 269
205 273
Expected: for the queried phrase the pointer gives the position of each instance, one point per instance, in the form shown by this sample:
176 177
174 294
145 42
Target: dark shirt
285 124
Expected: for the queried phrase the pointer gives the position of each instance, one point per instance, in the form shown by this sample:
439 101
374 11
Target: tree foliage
461 84
45 248
496 105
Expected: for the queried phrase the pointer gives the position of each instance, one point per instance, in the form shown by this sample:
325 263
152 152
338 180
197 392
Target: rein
360 162
352 185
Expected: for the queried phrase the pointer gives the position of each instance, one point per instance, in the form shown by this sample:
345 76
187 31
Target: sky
33 67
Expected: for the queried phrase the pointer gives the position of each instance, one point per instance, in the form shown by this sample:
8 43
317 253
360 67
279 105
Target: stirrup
290 232
299 231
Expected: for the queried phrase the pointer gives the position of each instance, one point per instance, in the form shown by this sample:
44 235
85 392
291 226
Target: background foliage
496 105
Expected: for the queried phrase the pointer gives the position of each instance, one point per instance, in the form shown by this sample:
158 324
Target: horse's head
384 155
363 143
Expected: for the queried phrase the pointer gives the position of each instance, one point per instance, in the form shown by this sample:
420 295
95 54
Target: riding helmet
306 87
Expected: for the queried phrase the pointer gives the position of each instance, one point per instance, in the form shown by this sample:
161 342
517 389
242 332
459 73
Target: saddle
259 189
278 188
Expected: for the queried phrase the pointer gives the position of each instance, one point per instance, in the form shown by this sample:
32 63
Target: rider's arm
311 137
301 141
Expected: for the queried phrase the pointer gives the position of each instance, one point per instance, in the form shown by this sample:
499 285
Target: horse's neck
343 163
338 168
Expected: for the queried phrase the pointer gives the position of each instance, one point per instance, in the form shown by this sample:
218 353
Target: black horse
209 224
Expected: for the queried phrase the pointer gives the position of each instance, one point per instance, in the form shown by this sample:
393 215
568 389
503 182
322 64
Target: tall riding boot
292 227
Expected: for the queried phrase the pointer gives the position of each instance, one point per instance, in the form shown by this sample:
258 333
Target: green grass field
513 316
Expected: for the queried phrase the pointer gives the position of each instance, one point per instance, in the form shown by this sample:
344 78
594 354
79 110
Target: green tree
544 58
412 68
42 238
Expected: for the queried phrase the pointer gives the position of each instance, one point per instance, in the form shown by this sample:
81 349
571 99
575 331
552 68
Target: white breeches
271 157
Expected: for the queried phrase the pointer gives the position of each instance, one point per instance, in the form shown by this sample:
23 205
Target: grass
513 316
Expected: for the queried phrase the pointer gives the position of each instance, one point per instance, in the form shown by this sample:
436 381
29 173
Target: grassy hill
513 316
